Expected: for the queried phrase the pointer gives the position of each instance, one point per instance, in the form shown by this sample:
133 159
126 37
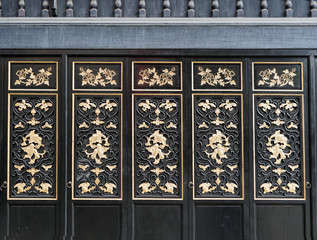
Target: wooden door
150 146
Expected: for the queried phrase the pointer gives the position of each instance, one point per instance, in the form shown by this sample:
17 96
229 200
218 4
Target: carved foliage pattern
276 76
157 146
157 75
97 146
217 146
33 75
217 76
279 146
33 146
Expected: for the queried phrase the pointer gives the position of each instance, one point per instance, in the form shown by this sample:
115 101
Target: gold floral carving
99 143
155 145
223 77
277 145
31 145
151 77
103 77
27 77
220 145
271 77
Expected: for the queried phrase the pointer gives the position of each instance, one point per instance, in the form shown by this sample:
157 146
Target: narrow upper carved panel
32 136
218 146
224 76
33 75
157 147
278 76
279 150
149 76
90 76
97 146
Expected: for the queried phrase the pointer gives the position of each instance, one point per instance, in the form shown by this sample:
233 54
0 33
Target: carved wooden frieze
157 146
217 76
217 146
97 146
148 76
33 75
279 158
32 150
91 76
278 76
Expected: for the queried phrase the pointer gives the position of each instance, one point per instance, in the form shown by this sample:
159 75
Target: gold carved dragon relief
216 159
98 160
222 77
27 77
103 77
33 118
279 128
271 77
158 164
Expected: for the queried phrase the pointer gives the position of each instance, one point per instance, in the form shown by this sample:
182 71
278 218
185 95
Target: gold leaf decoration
97 171
157 171
206 187
271 78
103 77
87 105
171 167
44 187
147 105
19 125
143 125
223 77
27 77
146 187
85 187
267 188
267 105
204 167
293 167
230 187
21 187
155 145
168 187
98 142
108 105
218 171
31 144
47 125
83 125
44 105
291 187
83 167
171 125
19 167
111 167
168 105
108 187
276 145
23 105
32 171
47 167
151 77
203 125
111 125
220 145
265 168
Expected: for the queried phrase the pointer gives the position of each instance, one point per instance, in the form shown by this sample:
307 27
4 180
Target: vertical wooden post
142 10
45 8
313 8
289 8
240 8
21 11
93 8
69 8
264 10
215 8
118 8
166 8
191 8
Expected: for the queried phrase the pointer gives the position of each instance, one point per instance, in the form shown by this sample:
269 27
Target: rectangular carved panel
217 76
277 76
279 158
218 146
32 150
157 146
97 146
149 76
33 75
92 76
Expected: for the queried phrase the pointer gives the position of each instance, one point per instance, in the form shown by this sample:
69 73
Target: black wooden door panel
150 147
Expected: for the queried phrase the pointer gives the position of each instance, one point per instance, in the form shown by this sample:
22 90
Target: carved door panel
34 147
150 148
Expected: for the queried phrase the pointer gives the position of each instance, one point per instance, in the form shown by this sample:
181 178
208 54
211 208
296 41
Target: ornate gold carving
276 145
151 77
216 164
103 77
270 77
32 142
220 145
156 144
27 77
223 77
47 167
99 144
19 167
44 187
